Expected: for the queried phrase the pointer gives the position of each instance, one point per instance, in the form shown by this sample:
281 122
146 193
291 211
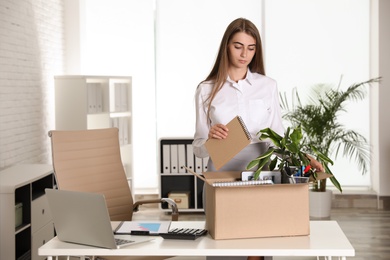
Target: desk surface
326 239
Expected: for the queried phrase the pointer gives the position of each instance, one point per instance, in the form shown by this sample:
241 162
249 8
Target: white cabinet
93 102
24 185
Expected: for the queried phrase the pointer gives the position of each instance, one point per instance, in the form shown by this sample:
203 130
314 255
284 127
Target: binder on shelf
166 158
190 156
125 130
222 151
91 92
123 102
181 154
118 98
174 159
198 164
115 97
114 122
121 137
99 98
204 163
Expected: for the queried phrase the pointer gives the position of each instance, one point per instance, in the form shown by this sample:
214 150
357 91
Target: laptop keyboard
120 242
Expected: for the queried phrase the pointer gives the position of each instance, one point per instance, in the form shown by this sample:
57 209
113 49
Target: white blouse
255 99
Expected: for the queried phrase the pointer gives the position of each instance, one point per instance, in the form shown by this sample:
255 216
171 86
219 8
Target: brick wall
31 53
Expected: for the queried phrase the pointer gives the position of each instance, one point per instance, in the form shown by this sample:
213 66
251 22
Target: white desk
326 239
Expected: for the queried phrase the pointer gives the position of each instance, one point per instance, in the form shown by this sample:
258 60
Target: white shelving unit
25 185
95 102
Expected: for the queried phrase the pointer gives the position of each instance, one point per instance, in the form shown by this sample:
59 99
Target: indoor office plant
287 154
321 129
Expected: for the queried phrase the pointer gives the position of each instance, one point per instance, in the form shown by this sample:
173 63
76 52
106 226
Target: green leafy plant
287 151
322 130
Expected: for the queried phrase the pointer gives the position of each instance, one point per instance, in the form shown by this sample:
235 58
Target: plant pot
298 179
286 177
320 204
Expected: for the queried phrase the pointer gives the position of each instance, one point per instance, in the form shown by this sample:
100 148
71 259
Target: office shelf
25 184
173 178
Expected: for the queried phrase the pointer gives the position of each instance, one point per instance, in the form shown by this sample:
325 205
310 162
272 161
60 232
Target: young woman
237 85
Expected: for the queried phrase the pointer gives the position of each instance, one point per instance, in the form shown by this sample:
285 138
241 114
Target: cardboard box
181 198
255 210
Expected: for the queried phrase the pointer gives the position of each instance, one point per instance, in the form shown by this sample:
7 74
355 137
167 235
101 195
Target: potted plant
288 154
321 128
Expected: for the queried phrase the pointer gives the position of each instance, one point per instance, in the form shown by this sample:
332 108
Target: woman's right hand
218 131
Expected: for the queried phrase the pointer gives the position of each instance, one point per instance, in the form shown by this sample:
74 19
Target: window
309 42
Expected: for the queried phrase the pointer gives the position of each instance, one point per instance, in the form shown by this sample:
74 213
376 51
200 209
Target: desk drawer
40 238
40 213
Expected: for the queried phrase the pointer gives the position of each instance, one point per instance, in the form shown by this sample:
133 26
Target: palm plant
321 128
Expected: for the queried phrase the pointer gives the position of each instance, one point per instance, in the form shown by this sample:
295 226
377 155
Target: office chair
90 161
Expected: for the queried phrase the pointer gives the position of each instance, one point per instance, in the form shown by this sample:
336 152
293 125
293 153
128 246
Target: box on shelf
255 210
181 198
18 214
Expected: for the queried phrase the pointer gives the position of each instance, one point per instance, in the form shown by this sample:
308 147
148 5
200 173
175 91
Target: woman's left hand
218 131
316 165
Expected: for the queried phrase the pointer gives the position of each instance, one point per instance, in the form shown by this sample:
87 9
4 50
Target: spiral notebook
241 183
222 151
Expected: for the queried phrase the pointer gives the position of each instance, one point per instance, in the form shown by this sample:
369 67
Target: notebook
223 150
241 183
83 218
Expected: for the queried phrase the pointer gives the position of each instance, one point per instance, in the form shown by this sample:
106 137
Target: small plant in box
287 154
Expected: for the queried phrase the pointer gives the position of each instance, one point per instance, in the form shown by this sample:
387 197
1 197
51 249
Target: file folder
117 93
174 159
190 157
99 98
181 154
114 122
204 164
198 164
123 103
166 158
125 130
91 92
223 150
120 127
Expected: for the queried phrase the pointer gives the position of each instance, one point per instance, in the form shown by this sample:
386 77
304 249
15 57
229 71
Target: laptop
83 218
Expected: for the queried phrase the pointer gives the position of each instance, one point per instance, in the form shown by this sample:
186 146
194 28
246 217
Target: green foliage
288 150
321 129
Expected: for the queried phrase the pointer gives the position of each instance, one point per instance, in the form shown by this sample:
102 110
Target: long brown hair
219 71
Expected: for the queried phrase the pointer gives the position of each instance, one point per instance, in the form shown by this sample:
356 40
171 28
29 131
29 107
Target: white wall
380 66
31 52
